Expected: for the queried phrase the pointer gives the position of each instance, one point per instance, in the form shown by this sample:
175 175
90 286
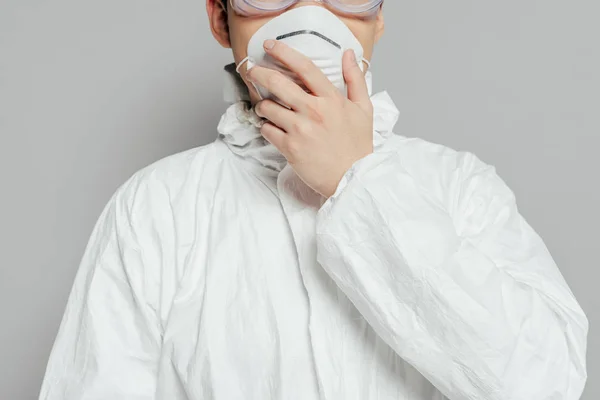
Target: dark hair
224 4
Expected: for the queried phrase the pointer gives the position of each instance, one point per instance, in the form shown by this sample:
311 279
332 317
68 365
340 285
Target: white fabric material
217 274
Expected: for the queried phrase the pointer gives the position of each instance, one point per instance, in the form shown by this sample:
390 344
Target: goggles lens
363 8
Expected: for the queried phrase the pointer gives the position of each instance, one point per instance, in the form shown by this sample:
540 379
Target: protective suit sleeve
109 339
441 264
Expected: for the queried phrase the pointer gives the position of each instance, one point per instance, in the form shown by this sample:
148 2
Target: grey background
92 91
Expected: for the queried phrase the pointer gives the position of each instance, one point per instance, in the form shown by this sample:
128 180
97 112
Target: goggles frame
254 8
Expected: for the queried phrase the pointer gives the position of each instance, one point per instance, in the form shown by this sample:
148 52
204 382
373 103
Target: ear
219 26
379 25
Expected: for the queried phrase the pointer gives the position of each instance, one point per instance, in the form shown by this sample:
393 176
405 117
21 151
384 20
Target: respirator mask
313 31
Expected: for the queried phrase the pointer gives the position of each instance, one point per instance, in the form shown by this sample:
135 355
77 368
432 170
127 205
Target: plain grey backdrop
90 92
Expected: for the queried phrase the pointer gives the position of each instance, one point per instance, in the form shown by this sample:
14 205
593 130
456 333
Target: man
309 253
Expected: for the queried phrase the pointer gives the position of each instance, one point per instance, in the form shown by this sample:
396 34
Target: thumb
355 79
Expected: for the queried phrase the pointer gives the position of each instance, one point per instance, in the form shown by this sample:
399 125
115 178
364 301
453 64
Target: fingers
358 91
274 135
276 113
307 71
279 85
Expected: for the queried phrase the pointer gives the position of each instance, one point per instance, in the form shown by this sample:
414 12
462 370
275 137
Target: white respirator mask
313 31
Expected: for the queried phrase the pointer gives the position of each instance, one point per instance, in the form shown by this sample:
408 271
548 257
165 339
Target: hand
324 132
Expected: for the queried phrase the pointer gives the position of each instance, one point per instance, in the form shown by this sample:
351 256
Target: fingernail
257 108
269 44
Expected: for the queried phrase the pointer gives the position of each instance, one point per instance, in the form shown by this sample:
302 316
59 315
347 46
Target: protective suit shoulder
159 206
108 344
172 172
437 169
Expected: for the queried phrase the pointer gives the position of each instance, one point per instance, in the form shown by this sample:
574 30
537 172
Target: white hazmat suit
217 274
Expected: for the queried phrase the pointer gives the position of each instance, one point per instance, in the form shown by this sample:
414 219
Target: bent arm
453 278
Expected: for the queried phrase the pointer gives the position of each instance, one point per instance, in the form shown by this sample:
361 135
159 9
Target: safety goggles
358 8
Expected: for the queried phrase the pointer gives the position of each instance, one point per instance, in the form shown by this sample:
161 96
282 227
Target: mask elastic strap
368 63
237 69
